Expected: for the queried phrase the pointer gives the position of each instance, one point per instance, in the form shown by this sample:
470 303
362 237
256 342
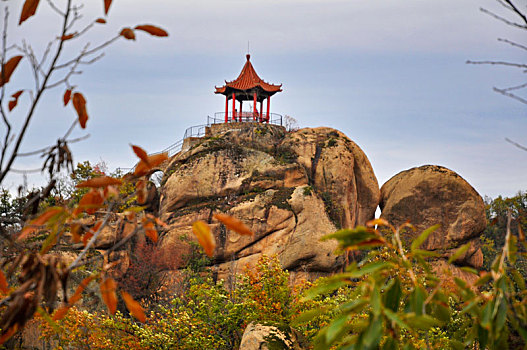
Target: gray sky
389 74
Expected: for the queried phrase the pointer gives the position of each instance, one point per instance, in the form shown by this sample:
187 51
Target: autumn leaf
68 36
141 153
8 69
67 96
78 292
234 224
75 235
86 238
60 313
8 334
90 202
153 160
29 9
41 220
127 33
108 287
4 288
152 30
134 307
100 20
110 191
107 4
205 237
12 104
150 231
79 103
141 191
102 181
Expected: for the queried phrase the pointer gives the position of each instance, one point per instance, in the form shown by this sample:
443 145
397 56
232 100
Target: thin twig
501 63
516 144
512 43
508 94
91 242
31 112
2 92
502 19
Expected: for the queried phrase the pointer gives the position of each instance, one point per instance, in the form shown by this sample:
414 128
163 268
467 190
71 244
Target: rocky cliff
290 188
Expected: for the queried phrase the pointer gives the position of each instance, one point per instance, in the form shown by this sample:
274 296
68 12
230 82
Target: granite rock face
290 188
261 337
430 195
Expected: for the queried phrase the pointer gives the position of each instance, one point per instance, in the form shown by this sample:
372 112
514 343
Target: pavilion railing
247 117
219 118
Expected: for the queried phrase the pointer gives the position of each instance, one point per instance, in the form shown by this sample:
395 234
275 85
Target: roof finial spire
248 52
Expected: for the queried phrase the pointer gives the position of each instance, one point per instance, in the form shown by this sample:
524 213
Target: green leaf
425 253
456 344
483 337
326 286
487 314
336 329
459 252
369 269
48 319
392 316
501 315
375 299
390 344
513 249
372 335
518 278
353 306
422 322
309 315
469 270
417 299
392 295
483 280
352 238
422 237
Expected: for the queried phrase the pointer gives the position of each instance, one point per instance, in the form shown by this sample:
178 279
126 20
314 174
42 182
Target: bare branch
513 43
515 10
91 242
55 8
87 53
18 142
503 19
2 92
501 63
516 144
508 94
46 149
518 87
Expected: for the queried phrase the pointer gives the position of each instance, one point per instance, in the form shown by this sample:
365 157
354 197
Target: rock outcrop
290 188
261 337
430 195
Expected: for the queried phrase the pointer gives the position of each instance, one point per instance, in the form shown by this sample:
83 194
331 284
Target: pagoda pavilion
248 87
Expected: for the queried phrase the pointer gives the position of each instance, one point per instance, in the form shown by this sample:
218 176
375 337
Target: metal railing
219 118
247 117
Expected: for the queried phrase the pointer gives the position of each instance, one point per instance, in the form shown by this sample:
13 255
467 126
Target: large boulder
289 188
430 195
262 337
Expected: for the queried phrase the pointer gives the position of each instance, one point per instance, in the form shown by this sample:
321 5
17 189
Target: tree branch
4 172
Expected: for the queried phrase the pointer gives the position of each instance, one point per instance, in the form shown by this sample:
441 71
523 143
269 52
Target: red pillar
261 108
268 107
233 106
226 108
254 105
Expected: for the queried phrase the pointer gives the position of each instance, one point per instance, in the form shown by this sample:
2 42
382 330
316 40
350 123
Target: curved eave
247 94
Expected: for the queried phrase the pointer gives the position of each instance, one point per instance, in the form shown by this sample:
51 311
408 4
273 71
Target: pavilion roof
247 80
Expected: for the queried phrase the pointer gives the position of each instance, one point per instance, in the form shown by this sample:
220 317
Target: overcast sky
389 74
